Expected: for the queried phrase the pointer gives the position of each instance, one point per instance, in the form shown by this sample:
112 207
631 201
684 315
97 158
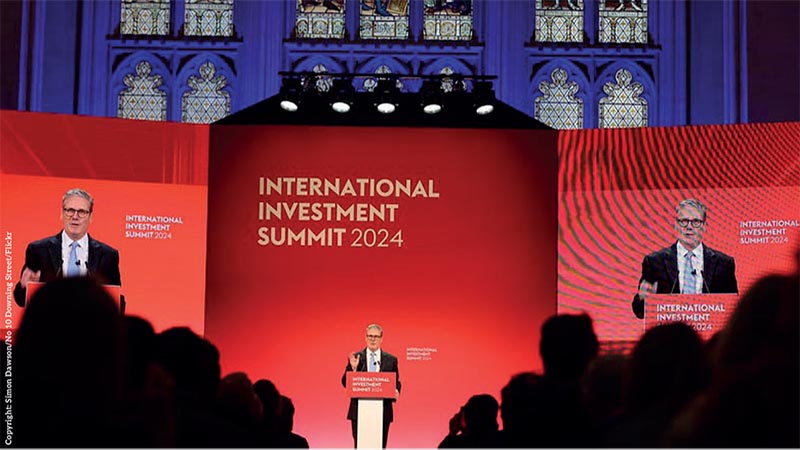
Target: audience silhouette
78 361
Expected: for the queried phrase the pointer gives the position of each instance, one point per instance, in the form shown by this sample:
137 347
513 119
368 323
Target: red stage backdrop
618 190
447 238
149 184
444 237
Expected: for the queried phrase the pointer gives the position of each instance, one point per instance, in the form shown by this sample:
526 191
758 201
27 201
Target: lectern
706 313
112 290
370 388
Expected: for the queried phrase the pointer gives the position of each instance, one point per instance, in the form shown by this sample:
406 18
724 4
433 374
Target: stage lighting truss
462 91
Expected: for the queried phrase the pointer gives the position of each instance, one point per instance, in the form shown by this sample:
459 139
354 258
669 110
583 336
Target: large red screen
617 196
149 185
461 298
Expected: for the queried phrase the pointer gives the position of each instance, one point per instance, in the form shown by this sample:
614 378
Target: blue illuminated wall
707 61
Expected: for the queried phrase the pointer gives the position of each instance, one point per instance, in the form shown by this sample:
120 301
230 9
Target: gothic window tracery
623 106
208 18
142 99
144 17
559 20
320 19
558 106
207 101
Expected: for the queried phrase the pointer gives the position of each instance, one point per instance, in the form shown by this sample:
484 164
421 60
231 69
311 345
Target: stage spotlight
343 93
291 91
484 98
431 96
386 92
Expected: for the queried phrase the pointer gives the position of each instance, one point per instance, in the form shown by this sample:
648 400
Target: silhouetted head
668 367
71 323
766 324
480 413
270 398
519 398
238 400
69 363
192 361
286 415
567 345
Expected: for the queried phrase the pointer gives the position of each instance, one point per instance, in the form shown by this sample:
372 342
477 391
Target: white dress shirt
82 252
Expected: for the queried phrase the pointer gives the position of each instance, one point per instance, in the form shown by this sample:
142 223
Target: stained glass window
207 101
142 99
208 18
384 19
322 83
145 17
557 106
448 20
371 83
623 107
559 21
449 83
320 19
623 21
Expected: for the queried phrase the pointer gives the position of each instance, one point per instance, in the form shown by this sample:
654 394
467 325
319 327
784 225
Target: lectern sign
706 313
371 384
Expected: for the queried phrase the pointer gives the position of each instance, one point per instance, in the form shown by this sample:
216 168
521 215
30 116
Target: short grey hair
694 203
76 192
375 326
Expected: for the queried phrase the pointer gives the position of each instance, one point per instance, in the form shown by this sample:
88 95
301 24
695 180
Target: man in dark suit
687 266
72 252
372 359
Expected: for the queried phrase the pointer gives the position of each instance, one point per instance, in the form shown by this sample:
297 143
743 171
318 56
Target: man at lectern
72 252
372 359
687 266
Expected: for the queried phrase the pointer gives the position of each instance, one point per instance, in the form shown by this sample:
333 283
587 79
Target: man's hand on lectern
645 287
29 275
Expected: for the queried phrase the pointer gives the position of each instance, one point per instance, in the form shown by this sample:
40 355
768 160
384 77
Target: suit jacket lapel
672 268
94 255
709 266
54 249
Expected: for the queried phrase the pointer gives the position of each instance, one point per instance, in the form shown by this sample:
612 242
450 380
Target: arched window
370 83
320 19
557 106
142 99
207 101
322 82
623 107
383 19
448 20
208 18
623 21
448 82
144 17
559 21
